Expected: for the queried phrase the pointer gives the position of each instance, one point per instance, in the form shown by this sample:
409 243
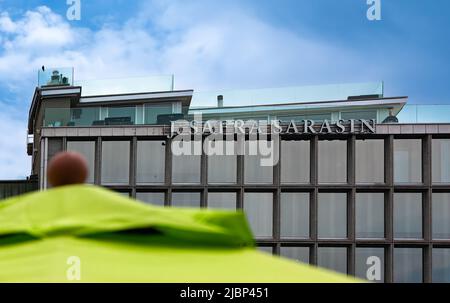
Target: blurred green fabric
117 239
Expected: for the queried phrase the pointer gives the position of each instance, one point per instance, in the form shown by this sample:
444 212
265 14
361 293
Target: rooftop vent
219 101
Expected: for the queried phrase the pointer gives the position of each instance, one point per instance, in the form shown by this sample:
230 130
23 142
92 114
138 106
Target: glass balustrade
424 113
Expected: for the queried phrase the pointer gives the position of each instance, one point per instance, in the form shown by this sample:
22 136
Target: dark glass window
115 162
441 160
157 113
333 258
254 171
369 161
150 166
295 215
185 199
369 215
441 215
87 149
155 198
55 145
408 265
408 215
295 161
259 210
300 254
441 265
333 161
222 168
407 161
369 262
224 200
126 113
186 169
360 114
84 116
332 208
317 118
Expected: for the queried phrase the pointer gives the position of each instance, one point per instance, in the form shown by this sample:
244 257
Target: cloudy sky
220 44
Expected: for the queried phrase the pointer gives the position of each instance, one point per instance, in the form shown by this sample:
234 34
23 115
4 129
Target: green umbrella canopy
102 236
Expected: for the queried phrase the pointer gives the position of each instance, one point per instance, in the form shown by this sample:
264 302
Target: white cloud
204 48
13 160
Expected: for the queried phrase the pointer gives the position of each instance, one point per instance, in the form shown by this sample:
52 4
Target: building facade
370 199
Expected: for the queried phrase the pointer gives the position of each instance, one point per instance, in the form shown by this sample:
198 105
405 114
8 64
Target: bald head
67 168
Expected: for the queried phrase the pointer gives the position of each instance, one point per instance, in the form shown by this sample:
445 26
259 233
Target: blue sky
221 45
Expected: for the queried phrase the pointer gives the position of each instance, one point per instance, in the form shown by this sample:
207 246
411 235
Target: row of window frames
295 163
332 213
408 261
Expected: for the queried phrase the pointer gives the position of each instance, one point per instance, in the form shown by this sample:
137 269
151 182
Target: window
369 262
87 149
254 172
408 265
115 162
299 118
369 209
150 167
126 113
333 161
295 215
156 114
318 117
441 213
259 210
222 200
186 199
407 161
223 168
56 117
361 114
300 254
186 169
333 258
369 162
55 145
441 160
155 198
441 265
287 119
84 116
295 161
408 215
332 215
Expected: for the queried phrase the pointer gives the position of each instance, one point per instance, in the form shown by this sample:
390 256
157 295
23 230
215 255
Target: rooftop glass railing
422 113
293 94
132 85
55 76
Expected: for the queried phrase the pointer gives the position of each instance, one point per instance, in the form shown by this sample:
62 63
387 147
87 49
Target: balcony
55 77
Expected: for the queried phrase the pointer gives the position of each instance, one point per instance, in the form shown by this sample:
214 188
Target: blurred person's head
67 168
